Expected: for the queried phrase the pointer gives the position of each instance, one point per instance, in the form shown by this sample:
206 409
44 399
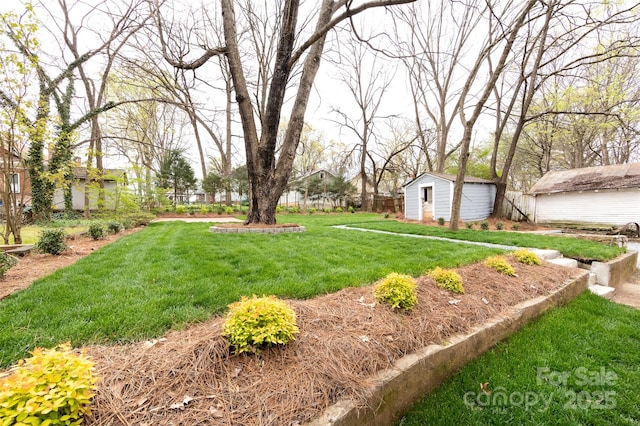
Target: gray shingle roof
589 178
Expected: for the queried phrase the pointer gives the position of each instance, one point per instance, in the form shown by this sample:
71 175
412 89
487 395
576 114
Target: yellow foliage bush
52 387
527 257
500 264
259 321
447 279
398 290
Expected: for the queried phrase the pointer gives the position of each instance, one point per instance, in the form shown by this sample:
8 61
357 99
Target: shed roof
589 178
451 178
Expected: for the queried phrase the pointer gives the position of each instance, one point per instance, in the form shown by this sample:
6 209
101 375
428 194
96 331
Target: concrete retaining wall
413 376
615 272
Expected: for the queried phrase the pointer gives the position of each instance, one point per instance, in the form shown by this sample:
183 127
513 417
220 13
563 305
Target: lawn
31 233
569 247
173 273
577 365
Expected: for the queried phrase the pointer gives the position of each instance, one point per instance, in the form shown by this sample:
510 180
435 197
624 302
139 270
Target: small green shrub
294 209
515 226
500 264
228 210
114 227
338 210
386 215
6 262
96 231
398 290
278 209
447 279
181 209
51 241
484 225
204 210
351 209
312 210
327 209
527 257
258 321
469 225
499 226
441 221
52 387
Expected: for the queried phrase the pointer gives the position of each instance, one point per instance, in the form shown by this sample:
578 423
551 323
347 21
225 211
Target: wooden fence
518 206
388 204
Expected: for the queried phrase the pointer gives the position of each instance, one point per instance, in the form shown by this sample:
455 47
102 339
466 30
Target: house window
14 181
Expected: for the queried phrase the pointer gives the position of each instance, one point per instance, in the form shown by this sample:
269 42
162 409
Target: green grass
31 233
577 365
173 273
569 247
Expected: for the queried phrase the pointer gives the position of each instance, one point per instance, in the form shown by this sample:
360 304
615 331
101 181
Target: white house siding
477 201
605 206
77 196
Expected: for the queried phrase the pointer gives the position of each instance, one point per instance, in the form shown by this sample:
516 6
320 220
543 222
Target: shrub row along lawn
577 365
174 273
570 247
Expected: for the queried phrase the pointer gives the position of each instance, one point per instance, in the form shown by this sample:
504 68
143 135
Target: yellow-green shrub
259 321
527 257
53 387
501 265
398 290
447 279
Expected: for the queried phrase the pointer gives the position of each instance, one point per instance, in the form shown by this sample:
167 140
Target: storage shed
605 195
430 196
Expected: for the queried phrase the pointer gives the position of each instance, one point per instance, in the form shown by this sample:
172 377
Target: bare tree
367 80
442 35
504 27
269 173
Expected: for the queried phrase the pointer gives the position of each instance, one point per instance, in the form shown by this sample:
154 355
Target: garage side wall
606 207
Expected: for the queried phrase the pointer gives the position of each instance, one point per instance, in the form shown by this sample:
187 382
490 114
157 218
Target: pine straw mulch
189 377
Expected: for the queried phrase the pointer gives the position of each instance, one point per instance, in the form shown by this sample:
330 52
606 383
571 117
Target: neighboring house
295 195
430 196
111 178
607 195
18 176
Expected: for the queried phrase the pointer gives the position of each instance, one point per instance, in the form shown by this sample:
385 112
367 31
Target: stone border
397 388
257 230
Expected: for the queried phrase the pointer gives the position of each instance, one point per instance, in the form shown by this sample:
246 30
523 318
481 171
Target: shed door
427 203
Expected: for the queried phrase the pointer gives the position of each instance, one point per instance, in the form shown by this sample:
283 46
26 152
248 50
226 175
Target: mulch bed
189 377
